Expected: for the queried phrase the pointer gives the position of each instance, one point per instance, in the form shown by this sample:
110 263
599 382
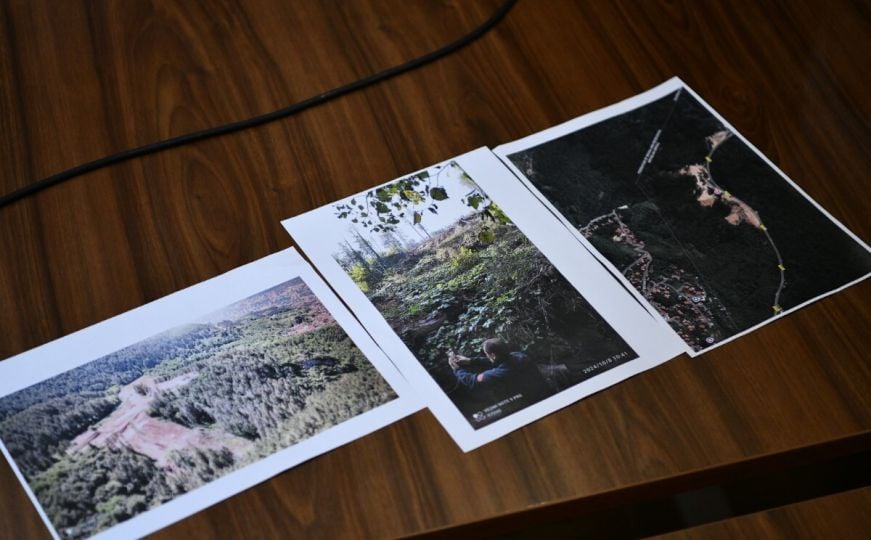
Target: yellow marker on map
777 309
782 268
708 159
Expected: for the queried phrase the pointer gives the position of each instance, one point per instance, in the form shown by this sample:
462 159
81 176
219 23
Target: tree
366 247
353 256
409 198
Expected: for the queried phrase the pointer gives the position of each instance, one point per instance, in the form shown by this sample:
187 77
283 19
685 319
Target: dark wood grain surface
843 516
80 79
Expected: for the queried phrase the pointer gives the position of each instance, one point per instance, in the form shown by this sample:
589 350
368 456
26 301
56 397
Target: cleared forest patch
131 427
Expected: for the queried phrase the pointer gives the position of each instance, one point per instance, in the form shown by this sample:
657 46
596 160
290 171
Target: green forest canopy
273 377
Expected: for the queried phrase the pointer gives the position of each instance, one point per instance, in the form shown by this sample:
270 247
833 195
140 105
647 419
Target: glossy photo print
487 316
197 411
708 232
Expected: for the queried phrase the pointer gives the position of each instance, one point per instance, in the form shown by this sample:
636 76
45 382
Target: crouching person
505 373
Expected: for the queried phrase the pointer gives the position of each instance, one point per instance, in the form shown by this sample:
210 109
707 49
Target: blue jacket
515 375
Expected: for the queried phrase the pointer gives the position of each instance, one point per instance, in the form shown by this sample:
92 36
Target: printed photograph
715 239
134 429
490 319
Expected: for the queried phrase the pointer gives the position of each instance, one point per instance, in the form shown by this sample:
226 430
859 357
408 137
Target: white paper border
185 306
641 331
627 105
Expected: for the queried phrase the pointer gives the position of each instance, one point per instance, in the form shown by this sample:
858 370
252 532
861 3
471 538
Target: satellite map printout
708 232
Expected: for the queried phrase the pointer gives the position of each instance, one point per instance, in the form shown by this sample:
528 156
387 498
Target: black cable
232 127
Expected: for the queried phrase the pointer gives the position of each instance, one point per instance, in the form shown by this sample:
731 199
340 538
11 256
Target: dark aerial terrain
715 239
129 431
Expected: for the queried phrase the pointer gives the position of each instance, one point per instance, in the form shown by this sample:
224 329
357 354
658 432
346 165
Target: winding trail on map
715 141
669 197
708 192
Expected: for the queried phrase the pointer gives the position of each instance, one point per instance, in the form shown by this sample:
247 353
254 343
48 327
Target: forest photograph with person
492 321
129 431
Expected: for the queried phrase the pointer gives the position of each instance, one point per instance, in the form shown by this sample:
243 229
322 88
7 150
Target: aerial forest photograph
127 432
485 313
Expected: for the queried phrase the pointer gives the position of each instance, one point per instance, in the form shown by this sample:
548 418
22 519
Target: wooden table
841 516
81 79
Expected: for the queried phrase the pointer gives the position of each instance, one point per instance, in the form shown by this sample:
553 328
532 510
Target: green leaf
417 217
381 208
497 214
486 236
474 201
438 194
383 194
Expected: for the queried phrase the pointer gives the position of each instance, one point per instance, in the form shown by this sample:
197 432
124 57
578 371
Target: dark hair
496 347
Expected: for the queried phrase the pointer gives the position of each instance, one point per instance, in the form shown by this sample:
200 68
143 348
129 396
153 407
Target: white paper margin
182 307
640 331
627 105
